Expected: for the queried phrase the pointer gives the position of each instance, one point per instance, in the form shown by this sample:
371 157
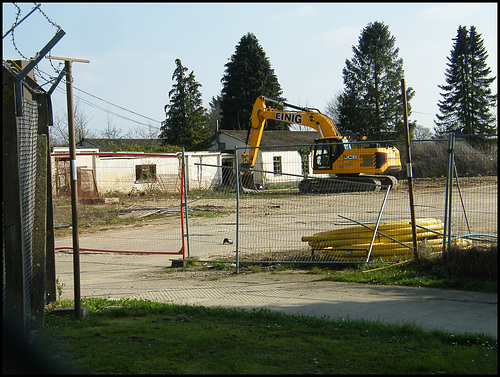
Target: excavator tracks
359 183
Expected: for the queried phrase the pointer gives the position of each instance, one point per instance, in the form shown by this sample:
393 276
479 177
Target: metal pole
447 204
450 188
19 23
237 171
460 194
409 171
183 247
378 223
184 168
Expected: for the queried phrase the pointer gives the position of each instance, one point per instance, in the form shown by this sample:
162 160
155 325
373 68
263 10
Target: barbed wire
48 19
12 33
13 38
57 70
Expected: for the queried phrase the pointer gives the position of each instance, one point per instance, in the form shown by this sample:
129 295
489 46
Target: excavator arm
304 116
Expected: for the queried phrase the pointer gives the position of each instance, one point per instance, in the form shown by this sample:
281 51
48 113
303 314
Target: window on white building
277 165
145 173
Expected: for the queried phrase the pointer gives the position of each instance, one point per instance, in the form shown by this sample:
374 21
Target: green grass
427 272
147 337
138 337
412 274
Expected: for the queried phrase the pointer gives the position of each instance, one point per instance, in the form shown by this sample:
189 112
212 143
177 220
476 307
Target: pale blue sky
132 48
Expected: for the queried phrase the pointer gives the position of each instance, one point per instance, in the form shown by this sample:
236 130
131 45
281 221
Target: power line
419 112
130 111
86 102
101 108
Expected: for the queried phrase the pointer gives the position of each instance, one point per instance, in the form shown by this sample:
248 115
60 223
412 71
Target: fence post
409 172
184 183
237 173
50 261
448 201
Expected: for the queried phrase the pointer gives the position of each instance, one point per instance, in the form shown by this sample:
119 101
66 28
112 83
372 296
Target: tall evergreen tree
371 103
248 75
186 119
214 112
467 98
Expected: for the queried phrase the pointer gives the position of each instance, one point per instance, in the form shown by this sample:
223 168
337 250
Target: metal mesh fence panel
269 218
274 226
473 183
474 194
28 125
128 202
212 218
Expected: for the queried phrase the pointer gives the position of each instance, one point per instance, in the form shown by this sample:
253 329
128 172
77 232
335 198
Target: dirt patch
213 220
194 274
433 183
207 271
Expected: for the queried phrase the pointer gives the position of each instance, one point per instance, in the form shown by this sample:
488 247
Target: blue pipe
471 235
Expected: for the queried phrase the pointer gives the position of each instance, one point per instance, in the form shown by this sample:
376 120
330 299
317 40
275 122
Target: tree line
370 104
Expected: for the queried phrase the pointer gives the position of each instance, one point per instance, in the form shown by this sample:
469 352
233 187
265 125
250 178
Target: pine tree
371 103
467 99
248 75
214 112
186 119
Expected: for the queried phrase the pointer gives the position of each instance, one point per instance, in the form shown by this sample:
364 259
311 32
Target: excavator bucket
247 181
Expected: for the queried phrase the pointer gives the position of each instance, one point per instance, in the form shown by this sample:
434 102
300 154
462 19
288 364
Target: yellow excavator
332 153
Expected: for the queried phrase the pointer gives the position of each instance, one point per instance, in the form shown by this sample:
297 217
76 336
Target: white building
278 159
133 172
101 171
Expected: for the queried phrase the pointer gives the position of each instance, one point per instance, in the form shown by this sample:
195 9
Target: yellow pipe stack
353 243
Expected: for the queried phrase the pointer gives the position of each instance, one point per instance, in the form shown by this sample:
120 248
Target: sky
132 48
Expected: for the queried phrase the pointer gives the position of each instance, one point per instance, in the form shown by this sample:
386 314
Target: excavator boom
304 116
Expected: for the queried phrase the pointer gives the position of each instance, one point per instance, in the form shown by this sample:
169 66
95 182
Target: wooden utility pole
74 182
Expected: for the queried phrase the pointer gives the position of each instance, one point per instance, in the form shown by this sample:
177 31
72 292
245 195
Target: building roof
277 138
104 145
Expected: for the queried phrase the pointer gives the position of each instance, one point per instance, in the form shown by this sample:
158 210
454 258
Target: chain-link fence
18 208
28 126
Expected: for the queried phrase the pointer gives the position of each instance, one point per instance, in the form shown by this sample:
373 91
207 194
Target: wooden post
74 182
409 171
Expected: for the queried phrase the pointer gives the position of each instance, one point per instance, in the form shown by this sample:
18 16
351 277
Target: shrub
430 159
476 262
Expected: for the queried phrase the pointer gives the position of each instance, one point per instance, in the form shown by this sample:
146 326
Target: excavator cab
327 151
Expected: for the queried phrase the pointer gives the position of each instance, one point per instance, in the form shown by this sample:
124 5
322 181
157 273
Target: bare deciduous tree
111 131
422 133
149 132
60 132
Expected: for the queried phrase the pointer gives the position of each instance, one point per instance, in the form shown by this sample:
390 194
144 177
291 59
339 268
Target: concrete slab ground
116 276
